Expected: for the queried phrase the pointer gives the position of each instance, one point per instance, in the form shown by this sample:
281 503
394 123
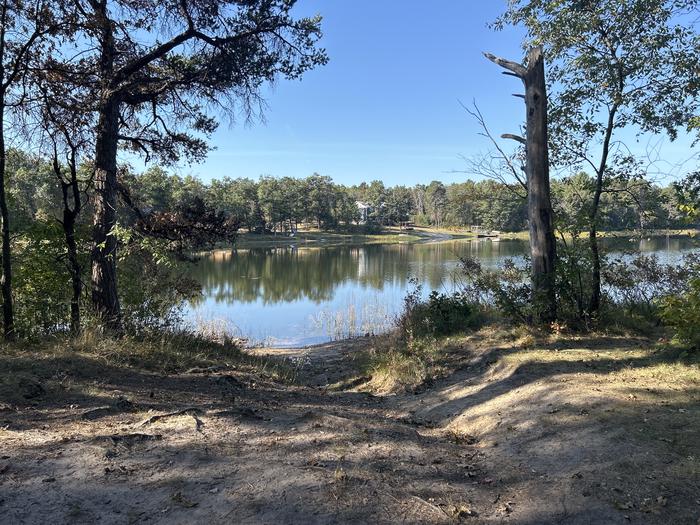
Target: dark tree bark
539 205
6 278
70 190
105 299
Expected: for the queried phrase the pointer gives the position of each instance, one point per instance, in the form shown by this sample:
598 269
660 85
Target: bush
439 315
506 289
574 283
682 314
154 297
638 283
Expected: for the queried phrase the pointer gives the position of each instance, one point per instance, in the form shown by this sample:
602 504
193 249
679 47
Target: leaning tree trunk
70 214
104 252
539 205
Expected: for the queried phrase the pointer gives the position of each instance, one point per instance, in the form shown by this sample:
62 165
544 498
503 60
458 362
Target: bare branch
514 69
516 138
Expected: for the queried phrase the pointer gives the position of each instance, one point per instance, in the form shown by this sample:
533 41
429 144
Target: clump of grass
165 352
412 355
395 364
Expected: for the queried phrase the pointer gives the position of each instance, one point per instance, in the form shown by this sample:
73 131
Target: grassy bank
60 366
394 366
393 235
524 235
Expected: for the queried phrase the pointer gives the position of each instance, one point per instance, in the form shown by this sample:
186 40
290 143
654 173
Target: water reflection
290 274
279 294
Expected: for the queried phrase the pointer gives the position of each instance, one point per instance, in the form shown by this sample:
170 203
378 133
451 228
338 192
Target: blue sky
387 104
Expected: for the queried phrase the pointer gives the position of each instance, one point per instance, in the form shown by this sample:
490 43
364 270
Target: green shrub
682 314
439 315
505 290
637 282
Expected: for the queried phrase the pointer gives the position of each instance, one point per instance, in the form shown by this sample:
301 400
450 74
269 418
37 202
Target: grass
626 357
30 367
393 365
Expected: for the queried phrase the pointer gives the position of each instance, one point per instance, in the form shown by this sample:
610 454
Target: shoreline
419 235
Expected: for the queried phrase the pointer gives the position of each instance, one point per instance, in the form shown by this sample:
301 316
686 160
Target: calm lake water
296 296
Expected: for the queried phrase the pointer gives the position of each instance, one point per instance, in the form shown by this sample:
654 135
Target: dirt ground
573 431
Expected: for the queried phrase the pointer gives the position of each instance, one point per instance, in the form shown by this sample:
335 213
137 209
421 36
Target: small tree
67 135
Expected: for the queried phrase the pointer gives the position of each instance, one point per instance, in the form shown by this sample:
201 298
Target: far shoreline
394 235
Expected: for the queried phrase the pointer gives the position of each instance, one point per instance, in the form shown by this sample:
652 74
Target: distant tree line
284 204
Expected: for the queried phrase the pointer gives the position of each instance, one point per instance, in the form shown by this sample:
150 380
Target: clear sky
387 104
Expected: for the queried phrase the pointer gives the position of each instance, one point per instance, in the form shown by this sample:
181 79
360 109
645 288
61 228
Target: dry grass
395 366
38 368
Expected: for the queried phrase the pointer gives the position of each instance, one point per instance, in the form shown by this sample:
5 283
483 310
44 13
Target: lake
295 296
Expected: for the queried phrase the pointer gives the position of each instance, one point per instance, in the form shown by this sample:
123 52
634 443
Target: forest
189 338
285 203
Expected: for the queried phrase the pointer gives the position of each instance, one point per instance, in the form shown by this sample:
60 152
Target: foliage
155 294
682 313
507 289
612 65
603 57
688 195
634 285
438 315
42 289
190 226
284 204
639 282
573 285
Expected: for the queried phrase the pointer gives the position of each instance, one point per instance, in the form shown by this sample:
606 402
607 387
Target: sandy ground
581 437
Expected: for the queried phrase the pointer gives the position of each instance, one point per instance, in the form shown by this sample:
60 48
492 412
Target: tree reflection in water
304 295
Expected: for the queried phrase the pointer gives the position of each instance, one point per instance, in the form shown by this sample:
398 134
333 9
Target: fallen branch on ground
193 412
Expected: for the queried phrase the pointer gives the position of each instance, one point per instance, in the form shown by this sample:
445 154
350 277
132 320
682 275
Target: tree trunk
105 299
8 316
70 215
75 270
104 252
539 205
6 278
594 303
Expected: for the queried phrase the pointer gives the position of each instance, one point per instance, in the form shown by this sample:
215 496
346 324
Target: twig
193 412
